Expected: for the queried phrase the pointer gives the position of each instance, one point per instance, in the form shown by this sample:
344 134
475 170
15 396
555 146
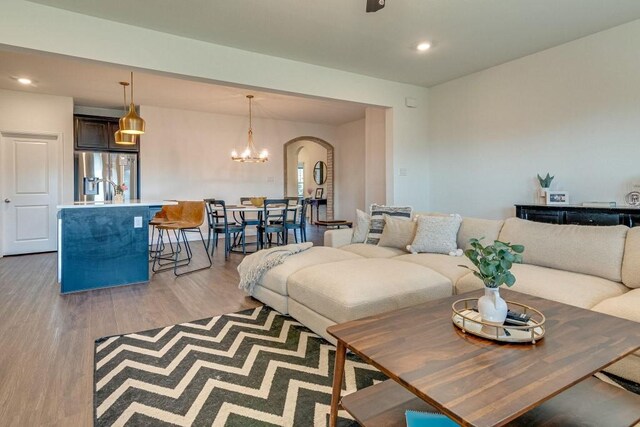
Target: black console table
580 215
316 203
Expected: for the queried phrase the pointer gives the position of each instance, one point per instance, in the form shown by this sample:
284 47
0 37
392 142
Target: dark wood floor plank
46 339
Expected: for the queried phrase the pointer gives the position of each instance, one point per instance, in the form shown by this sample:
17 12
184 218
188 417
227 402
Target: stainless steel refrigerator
94 172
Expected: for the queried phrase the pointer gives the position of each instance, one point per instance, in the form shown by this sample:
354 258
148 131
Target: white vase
492 308
543 195
118 198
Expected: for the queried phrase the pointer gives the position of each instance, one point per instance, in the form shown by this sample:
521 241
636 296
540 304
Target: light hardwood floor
47 339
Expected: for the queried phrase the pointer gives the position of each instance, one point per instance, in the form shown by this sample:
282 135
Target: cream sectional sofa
594 268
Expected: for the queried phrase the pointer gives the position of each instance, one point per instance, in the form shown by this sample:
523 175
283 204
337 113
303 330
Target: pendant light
121 137
250 154
132 123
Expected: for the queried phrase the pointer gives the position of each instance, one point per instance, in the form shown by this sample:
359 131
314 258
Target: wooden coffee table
432 365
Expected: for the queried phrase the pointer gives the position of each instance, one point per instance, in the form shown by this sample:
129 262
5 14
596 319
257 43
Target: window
300 179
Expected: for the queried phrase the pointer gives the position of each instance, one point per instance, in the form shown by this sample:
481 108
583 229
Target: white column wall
350 168
375 171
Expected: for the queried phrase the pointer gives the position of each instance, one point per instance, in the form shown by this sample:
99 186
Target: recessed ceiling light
24 81
424 46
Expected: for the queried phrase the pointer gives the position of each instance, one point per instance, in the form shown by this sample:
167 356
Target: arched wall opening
293 154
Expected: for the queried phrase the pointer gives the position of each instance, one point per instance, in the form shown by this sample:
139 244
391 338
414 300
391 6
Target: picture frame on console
557 198
319 192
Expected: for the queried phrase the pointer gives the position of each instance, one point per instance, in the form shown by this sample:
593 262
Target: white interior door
31 189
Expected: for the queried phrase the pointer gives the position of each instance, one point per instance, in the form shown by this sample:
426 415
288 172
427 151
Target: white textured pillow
361 228
397 232
436 234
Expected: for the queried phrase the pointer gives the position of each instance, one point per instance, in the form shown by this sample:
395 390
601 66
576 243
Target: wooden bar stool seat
186 219
166 214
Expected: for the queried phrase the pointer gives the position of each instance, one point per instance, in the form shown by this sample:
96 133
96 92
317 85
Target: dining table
239 211
252 208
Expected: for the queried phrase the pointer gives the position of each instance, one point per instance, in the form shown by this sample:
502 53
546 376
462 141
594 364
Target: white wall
34 26
186 154
573 111
30 112
375 173
350 170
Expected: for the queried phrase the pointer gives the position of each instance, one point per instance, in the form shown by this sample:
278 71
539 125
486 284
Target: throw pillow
361 227
436 234
397 233
377 220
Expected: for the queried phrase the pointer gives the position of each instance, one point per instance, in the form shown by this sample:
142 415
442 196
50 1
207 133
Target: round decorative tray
466 317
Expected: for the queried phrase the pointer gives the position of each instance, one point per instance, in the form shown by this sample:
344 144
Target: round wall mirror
320 173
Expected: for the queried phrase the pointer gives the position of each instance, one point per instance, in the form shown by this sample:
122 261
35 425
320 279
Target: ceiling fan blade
375 5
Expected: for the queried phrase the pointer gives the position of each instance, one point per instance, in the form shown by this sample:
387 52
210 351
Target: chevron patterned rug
252 368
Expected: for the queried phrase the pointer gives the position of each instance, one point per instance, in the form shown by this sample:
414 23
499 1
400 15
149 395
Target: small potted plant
545 183
493 263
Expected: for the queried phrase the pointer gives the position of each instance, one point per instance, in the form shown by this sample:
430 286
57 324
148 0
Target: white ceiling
467 35
94 84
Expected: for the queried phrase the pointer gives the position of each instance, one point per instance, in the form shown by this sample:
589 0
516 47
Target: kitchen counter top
111 204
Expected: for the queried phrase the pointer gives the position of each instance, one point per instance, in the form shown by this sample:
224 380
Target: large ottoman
320 297
626 306
272 289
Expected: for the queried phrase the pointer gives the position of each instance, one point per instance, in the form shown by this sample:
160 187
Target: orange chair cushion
191 215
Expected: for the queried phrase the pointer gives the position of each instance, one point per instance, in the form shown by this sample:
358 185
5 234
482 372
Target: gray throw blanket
253 267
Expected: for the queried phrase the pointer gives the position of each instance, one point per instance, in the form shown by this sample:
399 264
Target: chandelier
250 154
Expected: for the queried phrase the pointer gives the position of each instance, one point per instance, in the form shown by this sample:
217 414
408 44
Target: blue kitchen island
104 244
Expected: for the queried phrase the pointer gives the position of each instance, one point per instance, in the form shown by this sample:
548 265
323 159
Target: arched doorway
288 174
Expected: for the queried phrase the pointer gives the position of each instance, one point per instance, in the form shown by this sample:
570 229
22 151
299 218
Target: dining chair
219 224
246 201
250 220
212 222
293 202
190 219
274 214
299 222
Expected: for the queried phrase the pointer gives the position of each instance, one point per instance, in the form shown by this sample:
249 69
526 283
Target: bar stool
191 218
167 213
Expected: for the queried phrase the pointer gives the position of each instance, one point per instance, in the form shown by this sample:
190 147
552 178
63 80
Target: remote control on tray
518 319
514 318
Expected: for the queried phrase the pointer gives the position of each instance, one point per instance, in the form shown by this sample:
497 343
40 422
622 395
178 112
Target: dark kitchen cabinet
91 133
97 133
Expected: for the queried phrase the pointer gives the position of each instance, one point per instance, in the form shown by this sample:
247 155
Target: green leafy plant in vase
546 181
493 266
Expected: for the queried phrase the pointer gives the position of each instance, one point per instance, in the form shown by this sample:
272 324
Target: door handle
7 200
